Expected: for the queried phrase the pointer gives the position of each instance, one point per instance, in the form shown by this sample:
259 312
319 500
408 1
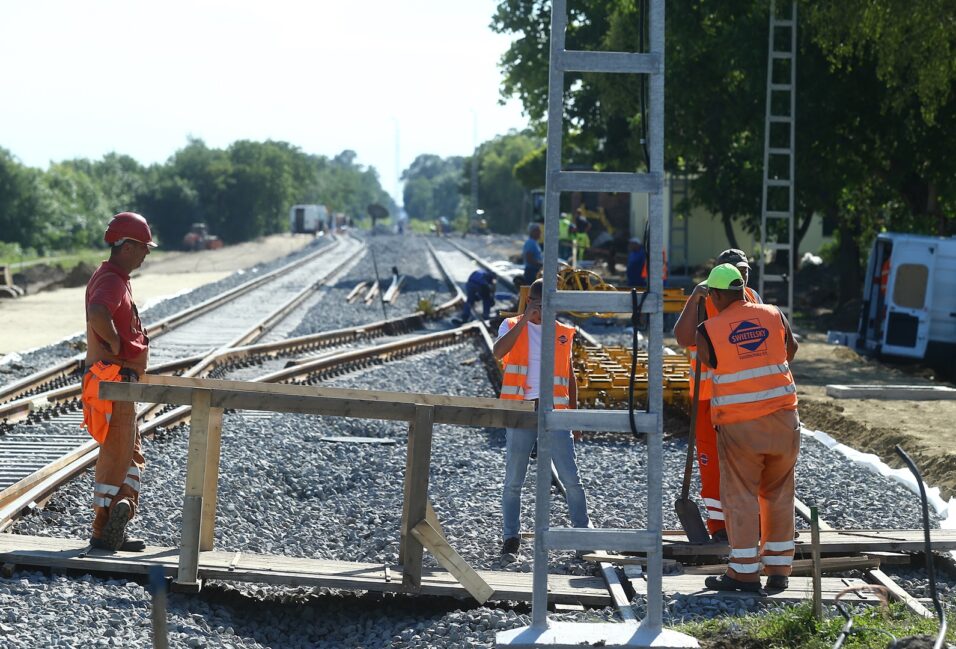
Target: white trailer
308 219
909 299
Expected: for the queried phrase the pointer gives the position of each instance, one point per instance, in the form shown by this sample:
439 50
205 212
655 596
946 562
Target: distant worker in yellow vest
754 407
565 235
519 347
685 331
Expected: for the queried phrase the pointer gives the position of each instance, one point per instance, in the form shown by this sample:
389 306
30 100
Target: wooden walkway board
801 588
831 542
290 571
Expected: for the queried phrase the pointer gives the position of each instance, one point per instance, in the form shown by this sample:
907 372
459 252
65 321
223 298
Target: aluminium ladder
777 204
541 633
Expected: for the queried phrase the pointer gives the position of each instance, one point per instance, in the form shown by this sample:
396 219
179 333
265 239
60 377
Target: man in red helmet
117 349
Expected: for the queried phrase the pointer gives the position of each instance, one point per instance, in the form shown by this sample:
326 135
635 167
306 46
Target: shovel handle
692 435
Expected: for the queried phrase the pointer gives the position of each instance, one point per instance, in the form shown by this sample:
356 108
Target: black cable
636 308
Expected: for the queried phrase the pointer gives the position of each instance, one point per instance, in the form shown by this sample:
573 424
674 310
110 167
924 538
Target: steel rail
34 383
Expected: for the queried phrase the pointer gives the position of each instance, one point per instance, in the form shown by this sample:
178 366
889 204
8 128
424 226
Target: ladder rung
583 538
782 55
775 278
607 421
776 182
781 87
780 118
773 214
783 23
608 181
610 62
601 302
779 151
777 246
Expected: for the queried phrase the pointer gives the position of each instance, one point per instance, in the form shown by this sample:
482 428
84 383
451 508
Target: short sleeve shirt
531 246
110 287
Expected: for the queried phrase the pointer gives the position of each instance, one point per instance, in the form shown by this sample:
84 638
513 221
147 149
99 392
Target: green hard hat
725 276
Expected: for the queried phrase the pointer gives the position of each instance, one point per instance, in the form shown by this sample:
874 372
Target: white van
909 298
308 219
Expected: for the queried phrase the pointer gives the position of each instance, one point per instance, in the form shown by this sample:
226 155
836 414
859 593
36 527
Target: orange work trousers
757 460
119 467
709 467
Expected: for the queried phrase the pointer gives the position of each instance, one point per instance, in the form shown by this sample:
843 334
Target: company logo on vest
749 335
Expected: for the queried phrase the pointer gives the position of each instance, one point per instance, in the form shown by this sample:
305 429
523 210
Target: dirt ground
923 428
47 317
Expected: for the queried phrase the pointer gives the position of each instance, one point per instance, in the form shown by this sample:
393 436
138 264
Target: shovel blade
690 520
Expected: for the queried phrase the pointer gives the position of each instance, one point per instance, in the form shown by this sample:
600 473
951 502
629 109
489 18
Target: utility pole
473 216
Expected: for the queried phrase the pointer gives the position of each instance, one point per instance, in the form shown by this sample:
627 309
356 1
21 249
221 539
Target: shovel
687 511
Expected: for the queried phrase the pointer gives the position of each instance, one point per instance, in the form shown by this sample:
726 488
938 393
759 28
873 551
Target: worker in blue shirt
635 264
531 255
480 286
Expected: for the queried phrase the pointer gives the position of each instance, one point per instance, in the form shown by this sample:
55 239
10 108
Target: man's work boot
114 532
128 545
509 550
726 582
778 582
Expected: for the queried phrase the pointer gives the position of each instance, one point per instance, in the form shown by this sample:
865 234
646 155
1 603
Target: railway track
34 465
304 360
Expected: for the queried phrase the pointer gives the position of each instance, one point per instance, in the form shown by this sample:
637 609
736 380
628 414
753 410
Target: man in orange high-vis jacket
754 406
519 348
685 331
116 337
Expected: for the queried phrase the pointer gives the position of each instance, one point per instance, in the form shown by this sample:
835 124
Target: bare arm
504 343
703 349
101 320
685 330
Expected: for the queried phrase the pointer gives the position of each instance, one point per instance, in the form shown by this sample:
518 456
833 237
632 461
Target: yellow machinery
604 373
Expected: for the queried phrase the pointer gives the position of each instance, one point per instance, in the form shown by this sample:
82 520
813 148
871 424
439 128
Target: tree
500 193
864 149
431 187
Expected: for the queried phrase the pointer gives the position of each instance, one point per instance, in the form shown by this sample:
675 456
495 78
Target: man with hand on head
519 348
685 331
754 407
117 350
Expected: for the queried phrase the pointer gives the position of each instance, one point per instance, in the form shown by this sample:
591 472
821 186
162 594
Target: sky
388 79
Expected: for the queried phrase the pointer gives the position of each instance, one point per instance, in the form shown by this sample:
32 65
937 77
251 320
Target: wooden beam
463 415
618 596
192 502
897 592
452 562
210 495
417 465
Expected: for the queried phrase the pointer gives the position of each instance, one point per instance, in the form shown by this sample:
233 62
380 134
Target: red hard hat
129 225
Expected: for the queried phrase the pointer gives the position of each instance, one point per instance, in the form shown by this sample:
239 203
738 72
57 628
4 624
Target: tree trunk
729 230
848 263
799 233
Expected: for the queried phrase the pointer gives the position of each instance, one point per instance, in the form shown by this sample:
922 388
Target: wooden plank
801 567
210 495
892 392
898 593
359 440
800 589
628 560
831 542
417 464
452 562
463 415
32 551
195 481
804 512
614 587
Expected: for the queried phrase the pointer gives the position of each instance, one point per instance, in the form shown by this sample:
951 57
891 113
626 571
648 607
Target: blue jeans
519 442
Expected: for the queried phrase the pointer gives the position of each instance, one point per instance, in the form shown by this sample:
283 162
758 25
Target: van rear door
909 295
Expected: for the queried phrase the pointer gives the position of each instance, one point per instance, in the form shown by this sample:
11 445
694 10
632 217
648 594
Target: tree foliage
875 103
431 187
241 192
500 193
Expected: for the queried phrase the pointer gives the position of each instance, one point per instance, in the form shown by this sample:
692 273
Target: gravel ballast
283 490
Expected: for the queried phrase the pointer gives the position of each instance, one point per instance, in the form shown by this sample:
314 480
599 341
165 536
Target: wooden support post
452 562
416 494
210 489
815 550
192 502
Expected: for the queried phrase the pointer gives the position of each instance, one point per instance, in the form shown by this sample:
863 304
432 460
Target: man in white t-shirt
519 347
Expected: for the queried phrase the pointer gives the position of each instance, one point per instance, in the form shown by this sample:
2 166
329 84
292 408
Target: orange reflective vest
514 382
646 262
97 412
752 378
706 374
